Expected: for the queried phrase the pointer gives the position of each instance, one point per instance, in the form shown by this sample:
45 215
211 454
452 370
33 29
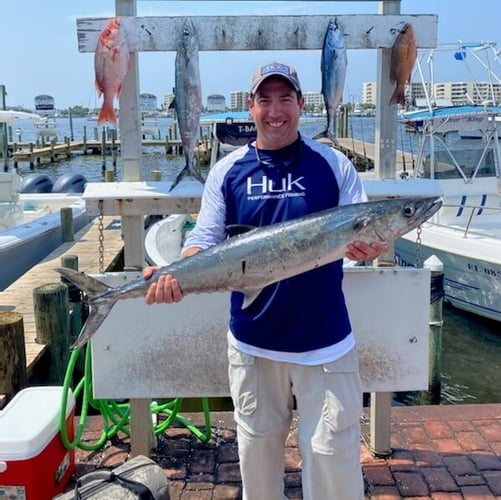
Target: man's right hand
165 290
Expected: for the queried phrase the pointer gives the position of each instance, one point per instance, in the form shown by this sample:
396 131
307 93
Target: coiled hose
116 416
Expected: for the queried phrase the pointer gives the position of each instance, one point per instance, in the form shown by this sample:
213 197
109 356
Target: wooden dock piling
51 306
13 373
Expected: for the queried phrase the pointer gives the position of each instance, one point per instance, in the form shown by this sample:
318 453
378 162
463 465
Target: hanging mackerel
188 98
333 67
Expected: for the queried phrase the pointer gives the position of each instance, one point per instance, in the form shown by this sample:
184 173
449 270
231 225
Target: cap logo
275 68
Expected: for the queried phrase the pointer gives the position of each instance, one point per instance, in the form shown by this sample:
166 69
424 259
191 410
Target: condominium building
238 100
313 102
457 93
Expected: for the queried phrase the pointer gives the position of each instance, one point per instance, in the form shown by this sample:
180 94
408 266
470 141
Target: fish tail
326 136
187 171
107 114
398 97
98 313
98 310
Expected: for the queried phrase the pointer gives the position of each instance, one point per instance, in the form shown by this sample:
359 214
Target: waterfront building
216 103
238 100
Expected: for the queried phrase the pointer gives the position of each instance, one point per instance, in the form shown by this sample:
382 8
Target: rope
115 415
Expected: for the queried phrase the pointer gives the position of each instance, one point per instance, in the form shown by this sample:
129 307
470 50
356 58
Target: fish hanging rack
231 33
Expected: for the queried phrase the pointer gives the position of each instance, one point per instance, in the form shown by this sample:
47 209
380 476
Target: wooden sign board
280 32
180 350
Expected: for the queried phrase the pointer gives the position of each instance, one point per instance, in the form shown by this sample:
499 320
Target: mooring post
103 149
13 373
66 214
52 323
436 325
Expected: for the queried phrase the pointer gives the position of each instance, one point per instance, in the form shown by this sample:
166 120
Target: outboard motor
36 183
69 183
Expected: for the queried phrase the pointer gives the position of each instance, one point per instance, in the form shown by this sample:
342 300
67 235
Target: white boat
466 233
30 223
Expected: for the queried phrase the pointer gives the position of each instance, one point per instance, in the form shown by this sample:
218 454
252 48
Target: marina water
471 367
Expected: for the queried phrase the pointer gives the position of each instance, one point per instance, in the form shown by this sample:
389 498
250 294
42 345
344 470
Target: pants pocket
339 425
243 380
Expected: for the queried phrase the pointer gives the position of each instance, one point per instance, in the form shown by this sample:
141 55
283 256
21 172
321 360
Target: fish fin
84 282
97 315
187 171
250 296
106 114
236 229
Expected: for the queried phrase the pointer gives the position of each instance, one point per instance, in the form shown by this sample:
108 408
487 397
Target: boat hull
471 283
24 245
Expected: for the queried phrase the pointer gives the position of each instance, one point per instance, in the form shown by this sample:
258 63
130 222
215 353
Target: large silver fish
333 67
262 256
188 98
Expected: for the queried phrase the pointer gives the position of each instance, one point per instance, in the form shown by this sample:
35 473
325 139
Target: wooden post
85 140
156 175
76 310
51 306
13 376
67 224
436 324
103 150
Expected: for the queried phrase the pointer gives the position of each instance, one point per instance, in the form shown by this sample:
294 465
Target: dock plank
19 295
365 152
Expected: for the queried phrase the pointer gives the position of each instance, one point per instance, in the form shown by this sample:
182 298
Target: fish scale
265 255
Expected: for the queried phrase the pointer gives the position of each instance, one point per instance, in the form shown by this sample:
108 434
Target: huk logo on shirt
287 186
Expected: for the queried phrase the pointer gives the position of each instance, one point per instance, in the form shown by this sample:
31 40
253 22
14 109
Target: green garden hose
115 415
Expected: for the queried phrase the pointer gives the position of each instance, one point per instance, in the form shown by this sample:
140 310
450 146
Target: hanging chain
100 228
417 262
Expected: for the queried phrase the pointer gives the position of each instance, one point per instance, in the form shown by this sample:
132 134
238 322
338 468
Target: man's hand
358 250
163 291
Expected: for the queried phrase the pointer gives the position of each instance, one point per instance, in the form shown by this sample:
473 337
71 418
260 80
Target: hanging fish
188 98
333 67
403 57
111 63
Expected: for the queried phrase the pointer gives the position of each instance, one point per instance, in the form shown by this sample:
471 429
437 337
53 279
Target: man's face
275 109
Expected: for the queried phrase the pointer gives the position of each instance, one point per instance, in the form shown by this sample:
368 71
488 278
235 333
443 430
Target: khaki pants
329 404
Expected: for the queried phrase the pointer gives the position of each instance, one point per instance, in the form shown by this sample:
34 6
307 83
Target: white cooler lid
30 421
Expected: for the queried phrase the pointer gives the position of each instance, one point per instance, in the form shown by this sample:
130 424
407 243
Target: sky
40 55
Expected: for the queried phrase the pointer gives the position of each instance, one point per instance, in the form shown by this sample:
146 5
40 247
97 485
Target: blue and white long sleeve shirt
302 319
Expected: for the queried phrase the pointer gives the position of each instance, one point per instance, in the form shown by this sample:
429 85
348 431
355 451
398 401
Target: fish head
390 219
110 31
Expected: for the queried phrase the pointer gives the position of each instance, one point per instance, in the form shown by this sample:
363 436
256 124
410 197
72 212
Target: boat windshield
466 163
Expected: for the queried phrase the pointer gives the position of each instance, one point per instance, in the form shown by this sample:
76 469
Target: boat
46 126
228 130
466 233
30 218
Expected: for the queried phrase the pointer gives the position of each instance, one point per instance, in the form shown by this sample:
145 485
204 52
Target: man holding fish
293 341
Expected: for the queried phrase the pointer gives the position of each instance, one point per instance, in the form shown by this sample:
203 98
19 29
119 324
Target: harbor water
471 367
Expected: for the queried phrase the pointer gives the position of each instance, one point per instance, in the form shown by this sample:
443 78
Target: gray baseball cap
285 71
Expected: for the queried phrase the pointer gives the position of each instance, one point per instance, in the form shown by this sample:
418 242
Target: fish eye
409 210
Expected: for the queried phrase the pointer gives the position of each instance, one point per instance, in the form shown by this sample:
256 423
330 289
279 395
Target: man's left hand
358 250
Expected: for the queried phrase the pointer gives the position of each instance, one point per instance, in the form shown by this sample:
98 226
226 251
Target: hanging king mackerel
188 98
333 67
262 256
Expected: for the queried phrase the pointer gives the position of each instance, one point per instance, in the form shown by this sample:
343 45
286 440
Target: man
295 340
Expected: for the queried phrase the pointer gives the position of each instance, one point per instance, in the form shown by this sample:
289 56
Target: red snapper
111 63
